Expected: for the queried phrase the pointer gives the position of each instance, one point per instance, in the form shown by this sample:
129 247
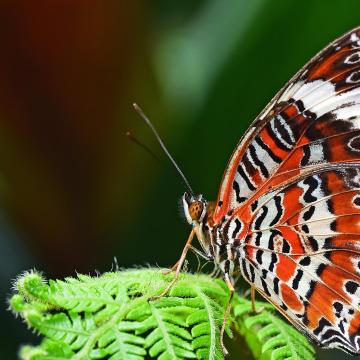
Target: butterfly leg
216 272
173 268
253 304
200 253
252 293
177 267
230 286
196 251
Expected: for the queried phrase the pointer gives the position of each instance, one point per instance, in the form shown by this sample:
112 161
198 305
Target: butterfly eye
196 210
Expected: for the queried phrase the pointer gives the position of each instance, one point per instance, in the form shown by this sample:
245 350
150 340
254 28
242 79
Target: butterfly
287 215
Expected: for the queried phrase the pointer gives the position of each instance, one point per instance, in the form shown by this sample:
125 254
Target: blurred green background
74 191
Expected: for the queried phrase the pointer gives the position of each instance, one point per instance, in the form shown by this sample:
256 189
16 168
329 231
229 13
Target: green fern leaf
268 336
49 350
111 317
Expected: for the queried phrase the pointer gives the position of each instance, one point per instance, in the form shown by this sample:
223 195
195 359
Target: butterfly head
195 208
199 214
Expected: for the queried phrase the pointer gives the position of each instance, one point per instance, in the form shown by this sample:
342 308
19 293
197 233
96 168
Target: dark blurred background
74 191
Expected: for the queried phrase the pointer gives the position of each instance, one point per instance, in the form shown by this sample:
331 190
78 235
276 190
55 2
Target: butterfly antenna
158 138
138 142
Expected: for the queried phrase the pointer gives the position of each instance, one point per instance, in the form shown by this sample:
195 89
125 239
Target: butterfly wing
318 108
302 252
289 201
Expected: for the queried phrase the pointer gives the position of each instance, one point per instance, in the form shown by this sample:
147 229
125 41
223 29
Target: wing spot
285 247
276 286
305 229
353 78
351 287
321 325
313 243
333 225
341 327
254 205
309 213
356 201
353 58
306 261
311 289
320 269
297 278
338 307
259 254
273 261
354 144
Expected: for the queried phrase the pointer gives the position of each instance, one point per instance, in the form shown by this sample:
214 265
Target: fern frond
111 317
268 336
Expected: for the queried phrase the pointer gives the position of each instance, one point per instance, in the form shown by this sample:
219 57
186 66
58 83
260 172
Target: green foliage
269 337
111 317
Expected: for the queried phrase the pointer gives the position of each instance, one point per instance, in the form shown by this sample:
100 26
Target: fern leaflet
268 336
111 317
